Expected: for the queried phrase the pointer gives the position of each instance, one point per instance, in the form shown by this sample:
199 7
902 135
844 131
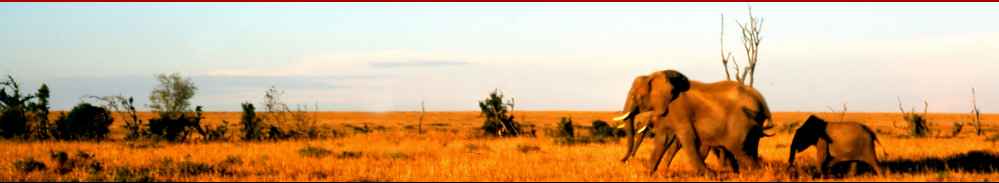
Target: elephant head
654 92
807 135
650 94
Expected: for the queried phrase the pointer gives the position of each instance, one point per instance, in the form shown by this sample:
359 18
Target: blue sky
549 56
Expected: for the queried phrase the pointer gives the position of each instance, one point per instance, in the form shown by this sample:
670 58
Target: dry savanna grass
450 150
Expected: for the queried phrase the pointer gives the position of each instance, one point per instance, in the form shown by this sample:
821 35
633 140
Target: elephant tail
874 137
762 117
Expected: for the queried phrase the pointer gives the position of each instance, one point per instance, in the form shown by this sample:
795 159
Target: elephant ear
664 87
809 133
678 80
638 94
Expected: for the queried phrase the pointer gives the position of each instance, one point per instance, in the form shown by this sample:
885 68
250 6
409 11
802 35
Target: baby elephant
836 142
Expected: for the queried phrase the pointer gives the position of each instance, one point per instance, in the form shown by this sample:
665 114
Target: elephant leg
874 165
657 153
824 166
727 159
688 140
853 168
744 160
673 148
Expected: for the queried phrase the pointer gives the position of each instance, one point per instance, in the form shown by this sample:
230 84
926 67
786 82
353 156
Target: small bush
40 128
565 128
84 122
956 129
232 160
315 152
498 120
126 174
349 154
191 168
601 129
83 160
176 128
528 148
917 125
29 165
993 138
219 132
399 155
251 124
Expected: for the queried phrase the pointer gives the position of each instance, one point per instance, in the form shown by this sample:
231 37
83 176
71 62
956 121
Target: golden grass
449 151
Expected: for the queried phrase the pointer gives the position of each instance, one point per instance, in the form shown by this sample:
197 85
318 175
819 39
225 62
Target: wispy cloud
416 63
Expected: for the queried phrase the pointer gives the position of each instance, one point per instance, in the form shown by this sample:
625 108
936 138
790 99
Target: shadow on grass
972 161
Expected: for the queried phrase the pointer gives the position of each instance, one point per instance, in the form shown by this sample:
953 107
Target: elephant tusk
643 129
622 117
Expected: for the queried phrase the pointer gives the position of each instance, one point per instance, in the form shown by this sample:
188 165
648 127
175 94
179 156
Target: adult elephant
700 116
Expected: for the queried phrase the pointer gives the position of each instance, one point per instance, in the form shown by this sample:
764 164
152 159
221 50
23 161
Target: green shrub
171 99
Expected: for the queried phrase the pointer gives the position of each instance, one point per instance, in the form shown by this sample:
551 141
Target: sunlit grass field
451 149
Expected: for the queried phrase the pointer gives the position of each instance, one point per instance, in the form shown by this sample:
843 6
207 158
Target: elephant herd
729 119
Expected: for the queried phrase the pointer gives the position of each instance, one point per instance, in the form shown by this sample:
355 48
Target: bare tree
917 123
725 59
842 112
423 110
750 42
975 113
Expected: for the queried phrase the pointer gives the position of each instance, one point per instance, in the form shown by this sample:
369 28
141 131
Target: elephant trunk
790 157
797 145
629 122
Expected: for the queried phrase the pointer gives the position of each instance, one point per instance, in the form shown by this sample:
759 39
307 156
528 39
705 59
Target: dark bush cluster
600 132
917 124
20 116
29 165
25 116
83 160
251 124
601 129
565 128
176 128
84 122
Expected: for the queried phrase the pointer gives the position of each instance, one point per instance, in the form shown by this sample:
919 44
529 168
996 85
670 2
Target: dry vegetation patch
398 154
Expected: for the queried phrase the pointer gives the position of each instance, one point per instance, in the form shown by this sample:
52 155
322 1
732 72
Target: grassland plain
450 150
